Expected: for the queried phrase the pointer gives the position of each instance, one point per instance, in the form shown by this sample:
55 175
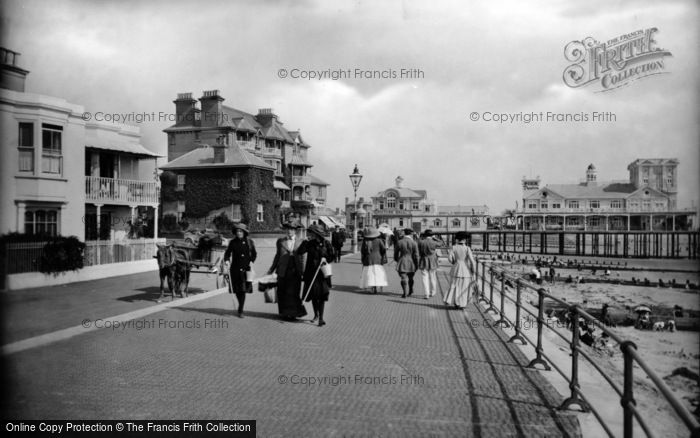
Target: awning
326 221
279 185
120 146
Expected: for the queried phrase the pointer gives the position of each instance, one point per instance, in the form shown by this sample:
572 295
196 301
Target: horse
173 264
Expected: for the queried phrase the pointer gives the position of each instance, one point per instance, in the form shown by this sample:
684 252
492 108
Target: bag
270 295
250 275
326 270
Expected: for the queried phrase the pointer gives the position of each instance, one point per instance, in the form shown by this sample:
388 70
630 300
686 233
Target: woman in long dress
373 258
459 293
317 287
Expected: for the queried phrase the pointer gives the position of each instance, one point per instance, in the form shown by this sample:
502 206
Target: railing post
627 400
540 322
502 320
482 294
573 384
491 308
518 324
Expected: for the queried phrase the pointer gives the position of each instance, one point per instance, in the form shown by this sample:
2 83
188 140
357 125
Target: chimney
399 181
12 77
212 113
265 116
185 108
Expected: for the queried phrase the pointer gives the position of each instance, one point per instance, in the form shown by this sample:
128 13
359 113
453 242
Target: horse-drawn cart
177 261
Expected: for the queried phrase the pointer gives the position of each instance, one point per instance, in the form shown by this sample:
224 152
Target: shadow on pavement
152 293
232 312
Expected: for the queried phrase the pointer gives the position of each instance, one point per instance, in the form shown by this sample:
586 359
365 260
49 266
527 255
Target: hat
461 235
240 226
292 225
428 233
408 231
316 229
371 233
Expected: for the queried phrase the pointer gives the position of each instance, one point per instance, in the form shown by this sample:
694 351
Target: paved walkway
382 366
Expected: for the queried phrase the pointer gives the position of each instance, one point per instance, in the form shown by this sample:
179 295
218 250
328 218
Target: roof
602 190
279 185
458 209
120 146
297 160
317 181
404 193
204 157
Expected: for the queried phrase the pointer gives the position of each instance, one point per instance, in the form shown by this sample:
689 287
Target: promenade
382 366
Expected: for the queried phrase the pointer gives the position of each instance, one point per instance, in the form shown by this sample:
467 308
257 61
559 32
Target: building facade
61 175
646 201
260 138
401 207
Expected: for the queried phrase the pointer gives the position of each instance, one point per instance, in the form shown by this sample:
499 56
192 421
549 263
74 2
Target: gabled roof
243 124
651 190
297 135
404 192
204 158
601 190
317 181
276 131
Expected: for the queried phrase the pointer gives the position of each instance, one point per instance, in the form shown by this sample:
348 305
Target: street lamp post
355 178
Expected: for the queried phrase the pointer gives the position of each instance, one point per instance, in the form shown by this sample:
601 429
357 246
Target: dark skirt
239 285
319 289
289 298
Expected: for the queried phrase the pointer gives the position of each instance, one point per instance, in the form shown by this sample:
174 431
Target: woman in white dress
373 258
461 277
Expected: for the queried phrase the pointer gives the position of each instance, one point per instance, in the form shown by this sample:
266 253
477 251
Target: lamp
355 178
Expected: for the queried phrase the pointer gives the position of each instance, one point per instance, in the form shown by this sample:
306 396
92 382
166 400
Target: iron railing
487 273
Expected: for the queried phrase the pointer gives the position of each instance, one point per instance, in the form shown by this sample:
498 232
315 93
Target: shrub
62 254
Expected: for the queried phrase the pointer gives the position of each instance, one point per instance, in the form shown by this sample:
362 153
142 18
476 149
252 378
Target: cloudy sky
498 57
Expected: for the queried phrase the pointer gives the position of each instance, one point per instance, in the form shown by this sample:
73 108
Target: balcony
285 204
301 180
120 191
247 144
272 152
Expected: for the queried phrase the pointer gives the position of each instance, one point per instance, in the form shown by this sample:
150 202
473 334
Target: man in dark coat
338 240
406 256
289 266
241 253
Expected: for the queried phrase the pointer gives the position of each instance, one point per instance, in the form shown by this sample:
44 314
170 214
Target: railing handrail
139 181
628 348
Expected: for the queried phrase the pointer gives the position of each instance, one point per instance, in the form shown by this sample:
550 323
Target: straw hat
371 233
240 226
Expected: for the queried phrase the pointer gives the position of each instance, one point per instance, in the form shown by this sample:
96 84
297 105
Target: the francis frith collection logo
614 63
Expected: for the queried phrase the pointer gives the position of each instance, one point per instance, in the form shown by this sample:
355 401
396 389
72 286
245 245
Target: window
573 204
196 137
260 213
594 221
401 205
556 205
381 205
437 223
594 204
180 206
646 205
456 223
401 222
391 201
532 205
180 183
235 181
659 205
543 205
236 213
51 157
171 139
415 205
26 147
41 222
615 203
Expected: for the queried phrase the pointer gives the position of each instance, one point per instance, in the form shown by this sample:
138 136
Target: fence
25 257
489 274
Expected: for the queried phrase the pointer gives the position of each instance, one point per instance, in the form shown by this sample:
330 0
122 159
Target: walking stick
323 262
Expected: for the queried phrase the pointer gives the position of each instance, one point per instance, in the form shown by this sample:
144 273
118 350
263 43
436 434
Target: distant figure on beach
687 284
552 274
